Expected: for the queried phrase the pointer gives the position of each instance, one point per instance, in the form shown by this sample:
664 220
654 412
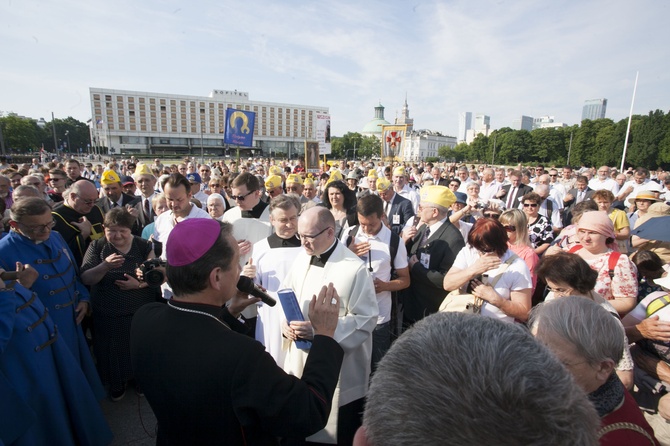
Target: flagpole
630 118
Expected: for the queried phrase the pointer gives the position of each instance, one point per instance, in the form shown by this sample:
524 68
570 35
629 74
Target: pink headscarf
599 221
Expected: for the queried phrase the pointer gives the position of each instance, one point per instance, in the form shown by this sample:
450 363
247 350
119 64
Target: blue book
292 311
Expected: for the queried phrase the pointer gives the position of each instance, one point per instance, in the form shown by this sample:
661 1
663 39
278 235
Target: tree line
594 143
23 135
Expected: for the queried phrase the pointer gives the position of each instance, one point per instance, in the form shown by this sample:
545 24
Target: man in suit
146 184
581 192
114 195
398 209
511 193
432 250
213 384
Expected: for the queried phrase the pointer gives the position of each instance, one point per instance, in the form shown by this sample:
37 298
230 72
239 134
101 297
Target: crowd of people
139 262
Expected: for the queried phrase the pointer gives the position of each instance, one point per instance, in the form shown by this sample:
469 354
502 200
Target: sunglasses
554 175
215 185
241 197
532 205
494 216
510 228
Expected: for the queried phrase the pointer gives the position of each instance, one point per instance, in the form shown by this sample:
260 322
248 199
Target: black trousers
349 419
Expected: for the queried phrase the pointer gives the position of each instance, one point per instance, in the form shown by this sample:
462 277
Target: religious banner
312 157
323 133
239 127
393 141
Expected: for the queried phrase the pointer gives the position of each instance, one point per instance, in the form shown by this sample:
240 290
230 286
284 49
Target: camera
152 276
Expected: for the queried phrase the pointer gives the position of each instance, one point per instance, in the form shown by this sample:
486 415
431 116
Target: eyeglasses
241 197
492 215
89 202
510 228
40 228
532 205
553 174
56 179
311 238
215 185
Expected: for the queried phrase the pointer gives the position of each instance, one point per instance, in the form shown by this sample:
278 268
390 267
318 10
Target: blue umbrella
656 228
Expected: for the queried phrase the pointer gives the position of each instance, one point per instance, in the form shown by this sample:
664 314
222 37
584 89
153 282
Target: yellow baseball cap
275 170
399 171
294 178
383 184
109 177
273 181
440 195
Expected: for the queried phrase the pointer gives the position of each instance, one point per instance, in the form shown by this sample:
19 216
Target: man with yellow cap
398 209
402 188
431 251
114 195
146 187
273 186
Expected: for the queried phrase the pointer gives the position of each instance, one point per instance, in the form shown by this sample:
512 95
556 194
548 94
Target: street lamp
67 133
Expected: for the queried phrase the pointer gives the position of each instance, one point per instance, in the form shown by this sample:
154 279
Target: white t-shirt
515 278
380 257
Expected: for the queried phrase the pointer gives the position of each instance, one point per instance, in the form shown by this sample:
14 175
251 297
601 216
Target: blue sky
502 58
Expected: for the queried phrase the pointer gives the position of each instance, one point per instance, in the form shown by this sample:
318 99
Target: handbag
469 303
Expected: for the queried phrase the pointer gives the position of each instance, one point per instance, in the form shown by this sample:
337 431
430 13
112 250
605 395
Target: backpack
611 261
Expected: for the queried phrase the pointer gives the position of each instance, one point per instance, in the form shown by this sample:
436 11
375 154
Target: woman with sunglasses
539 227
516 224
487 258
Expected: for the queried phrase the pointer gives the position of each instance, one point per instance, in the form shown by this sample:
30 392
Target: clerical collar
256 211
277 242
321 260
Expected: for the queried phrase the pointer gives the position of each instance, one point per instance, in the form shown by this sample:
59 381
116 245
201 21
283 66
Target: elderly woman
487 259
216 206
617 274
568 235
539 227
569 275
109 268
587 339
515 223
342 204
159 205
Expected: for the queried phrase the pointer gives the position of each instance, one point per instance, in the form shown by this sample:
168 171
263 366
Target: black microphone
246 285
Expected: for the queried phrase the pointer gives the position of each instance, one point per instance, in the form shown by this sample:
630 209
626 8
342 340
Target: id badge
396 219
425 260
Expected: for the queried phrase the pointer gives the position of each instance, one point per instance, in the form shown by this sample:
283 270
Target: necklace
186 310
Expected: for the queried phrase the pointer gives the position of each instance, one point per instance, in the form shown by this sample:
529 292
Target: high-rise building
523 123
594 109
482 124
464 124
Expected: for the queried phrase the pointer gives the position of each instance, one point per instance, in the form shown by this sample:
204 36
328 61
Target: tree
21 134
78 133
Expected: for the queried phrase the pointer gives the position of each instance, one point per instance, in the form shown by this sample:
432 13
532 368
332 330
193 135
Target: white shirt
636 189
412 195
162 229
606 184
488 191
515 278
380 257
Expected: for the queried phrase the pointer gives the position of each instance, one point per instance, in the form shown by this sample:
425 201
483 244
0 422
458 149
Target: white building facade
422 144
156 123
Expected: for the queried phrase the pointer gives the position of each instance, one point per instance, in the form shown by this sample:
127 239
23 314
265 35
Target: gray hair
217 197
25 191
465 379
591 329
28 207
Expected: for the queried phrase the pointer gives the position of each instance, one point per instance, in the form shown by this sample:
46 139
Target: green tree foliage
594 143
354 143
78 133
21 134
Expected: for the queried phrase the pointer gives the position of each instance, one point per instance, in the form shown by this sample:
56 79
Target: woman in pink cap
617 278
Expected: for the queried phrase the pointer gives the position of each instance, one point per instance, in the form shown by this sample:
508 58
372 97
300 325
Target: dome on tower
374 126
